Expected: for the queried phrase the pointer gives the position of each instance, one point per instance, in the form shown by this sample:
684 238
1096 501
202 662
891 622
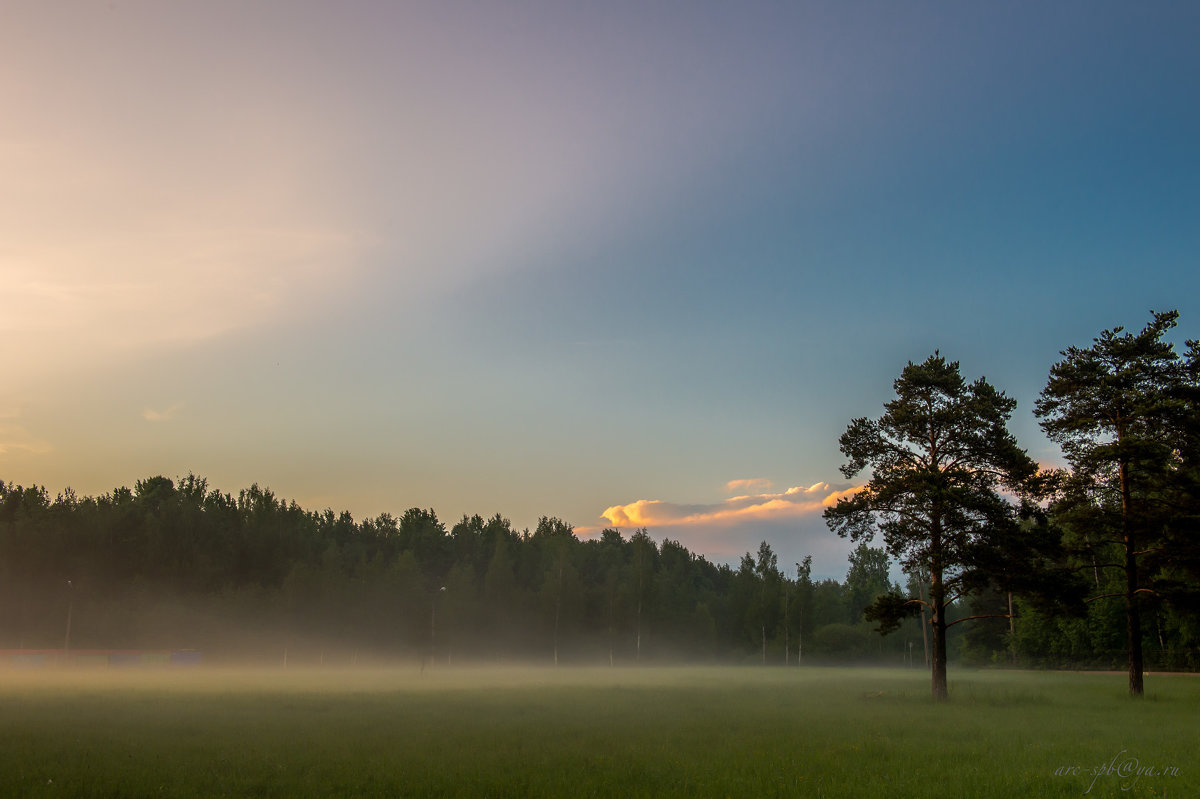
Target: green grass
735 732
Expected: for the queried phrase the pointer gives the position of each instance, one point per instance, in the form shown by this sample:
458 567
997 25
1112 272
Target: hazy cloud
15 438
152 415
752 484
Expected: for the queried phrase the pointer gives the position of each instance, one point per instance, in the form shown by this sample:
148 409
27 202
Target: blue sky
636 263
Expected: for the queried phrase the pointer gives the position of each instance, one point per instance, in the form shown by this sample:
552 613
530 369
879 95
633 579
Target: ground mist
521 731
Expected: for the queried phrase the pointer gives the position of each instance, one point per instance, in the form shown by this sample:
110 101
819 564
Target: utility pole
70 607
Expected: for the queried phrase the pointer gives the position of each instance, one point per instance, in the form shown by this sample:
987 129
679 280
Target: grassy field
625 732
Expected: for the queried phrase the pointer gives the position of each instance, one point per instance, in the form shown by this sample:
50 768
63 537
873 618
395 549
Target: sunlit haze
627 264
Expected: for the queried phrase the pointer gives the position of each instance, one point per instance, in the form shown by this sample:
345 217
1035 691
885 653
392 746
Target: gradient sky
631 263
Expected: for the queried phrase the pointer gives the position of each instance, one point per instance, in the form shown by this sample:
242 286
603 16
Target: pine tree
940 457
1123 411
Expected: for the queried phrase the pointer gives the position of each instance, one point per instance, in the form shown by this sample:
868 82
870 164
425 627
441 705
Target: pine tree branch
1086 566
980 616
1150 591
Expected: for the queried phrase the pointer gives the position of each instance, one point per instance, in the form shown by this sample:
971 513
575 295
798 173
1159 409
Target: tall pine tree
941 460
1123 411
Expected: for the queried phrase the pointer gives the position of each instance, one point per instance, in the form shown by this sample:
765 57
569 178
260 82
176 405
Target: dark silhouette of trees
175 563
867 579
1124 412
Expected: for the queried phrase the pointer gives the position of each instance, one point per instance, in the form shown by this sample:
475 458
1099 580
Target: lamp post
433 622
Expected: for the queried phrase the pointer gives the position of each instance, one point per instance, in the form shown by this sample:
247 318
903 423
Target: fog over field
540 732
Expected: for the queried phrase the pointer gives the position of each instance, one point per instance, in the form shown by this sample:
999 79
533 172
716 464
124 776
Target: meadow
620 732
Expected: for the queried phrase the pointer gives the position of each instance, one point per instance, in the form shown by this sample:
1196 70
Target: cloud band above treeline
795 501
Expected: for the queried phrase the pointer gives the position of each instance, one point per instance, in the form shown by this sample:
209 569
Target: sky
626 263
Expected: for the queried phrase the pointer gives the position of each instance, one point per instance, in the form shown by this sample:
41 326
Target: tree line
1095 565
175 563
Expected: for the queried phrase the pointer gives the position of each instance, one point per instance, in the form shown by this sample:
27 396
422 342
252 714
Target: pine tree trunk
937 598
924 626
1133 620
939 687
1012 631
1133 625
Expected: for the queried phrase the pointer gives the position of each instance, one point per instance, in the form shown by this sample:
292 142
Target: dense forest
1096 565
175 564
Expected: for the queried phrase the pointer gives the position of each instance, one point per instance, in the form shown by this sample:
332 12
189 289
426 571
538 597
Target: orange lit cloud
796 501
789 521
